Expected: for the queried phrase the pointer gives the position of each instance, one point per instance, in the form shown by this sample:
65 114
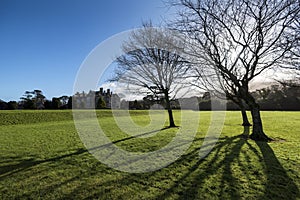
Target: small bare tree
239 39
152 63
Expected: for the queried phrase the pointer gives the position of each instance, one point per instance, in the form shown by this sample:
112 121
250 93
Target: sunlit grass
42 156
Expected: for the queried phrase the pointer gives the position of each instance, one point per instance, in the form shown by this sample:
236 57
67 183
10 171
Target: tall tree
27 100
239 40
38 99
33 100
152 63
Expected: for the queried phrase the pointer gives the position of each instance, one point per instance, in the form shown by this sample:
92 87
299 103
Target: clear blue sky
43 42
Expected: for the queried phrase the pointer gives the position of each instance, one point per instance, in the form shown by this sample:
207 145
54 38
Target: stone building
89 100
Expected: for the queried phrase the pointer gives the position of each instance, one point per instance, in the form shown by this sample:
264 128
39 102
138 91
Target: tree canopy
233 42
151 63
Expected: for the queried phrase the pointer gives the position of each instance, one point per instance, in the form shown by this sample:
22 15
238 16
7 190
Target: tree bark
170 112
244 114
239 102
257 130
245 118
171 119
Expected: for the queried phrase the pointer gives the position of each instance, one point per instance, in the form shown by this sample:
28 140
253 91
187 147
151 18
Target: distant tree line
283 96
275 97
35 100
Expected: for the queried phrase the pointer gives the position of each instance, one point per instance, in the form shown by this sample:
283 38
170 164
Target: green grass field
42 157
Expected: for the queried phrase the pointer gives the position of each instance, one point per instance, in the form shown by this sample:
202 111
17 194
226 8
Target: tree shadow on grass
23 164
239 171
199 172
234 167
278 184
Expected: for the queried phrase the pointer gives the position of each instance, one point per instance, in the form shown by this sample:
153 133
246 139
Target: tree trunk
168 107
171 119
257 131
245 118
241 104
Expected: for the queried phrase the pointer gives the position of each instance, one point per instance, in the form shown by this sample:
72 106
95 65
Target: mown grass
42 157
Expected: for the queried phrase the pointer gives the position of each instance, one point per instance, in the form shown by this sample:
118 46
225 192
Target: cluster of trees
63 102
222 46
11 105
275 97
36 100
219 46
285 97
279 97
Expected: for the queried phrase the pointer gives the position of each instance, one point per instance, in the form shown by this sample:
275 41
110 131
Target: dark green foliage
70 103
56 103
274 97
33 100
48 104
3 105
12 105
28 104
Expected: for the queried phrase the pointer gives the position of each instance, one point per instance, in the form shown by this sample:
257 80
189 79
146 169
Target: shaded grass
43 157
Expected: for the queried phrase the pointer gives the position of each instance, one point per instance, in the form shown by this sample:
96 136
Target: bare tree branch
152 60
237 40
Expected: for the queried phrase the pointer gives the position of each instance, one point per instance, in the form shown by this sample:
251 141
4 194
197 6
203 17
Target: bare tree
206 80
152 63
239 39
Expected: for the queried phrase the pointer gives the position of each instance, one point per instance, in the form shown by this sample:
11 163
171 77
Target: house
89 100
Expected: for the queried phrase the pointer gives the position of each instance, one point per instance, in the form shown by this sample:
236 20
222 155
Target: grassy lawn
42 157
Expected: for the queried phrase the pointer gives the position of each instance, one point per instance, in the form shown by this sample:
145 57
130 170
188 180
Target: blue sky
44 42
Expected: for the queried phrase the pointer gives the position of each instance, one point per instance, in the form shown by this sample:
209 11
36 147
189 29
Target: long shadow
128 138
10 169
208 170
277 186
